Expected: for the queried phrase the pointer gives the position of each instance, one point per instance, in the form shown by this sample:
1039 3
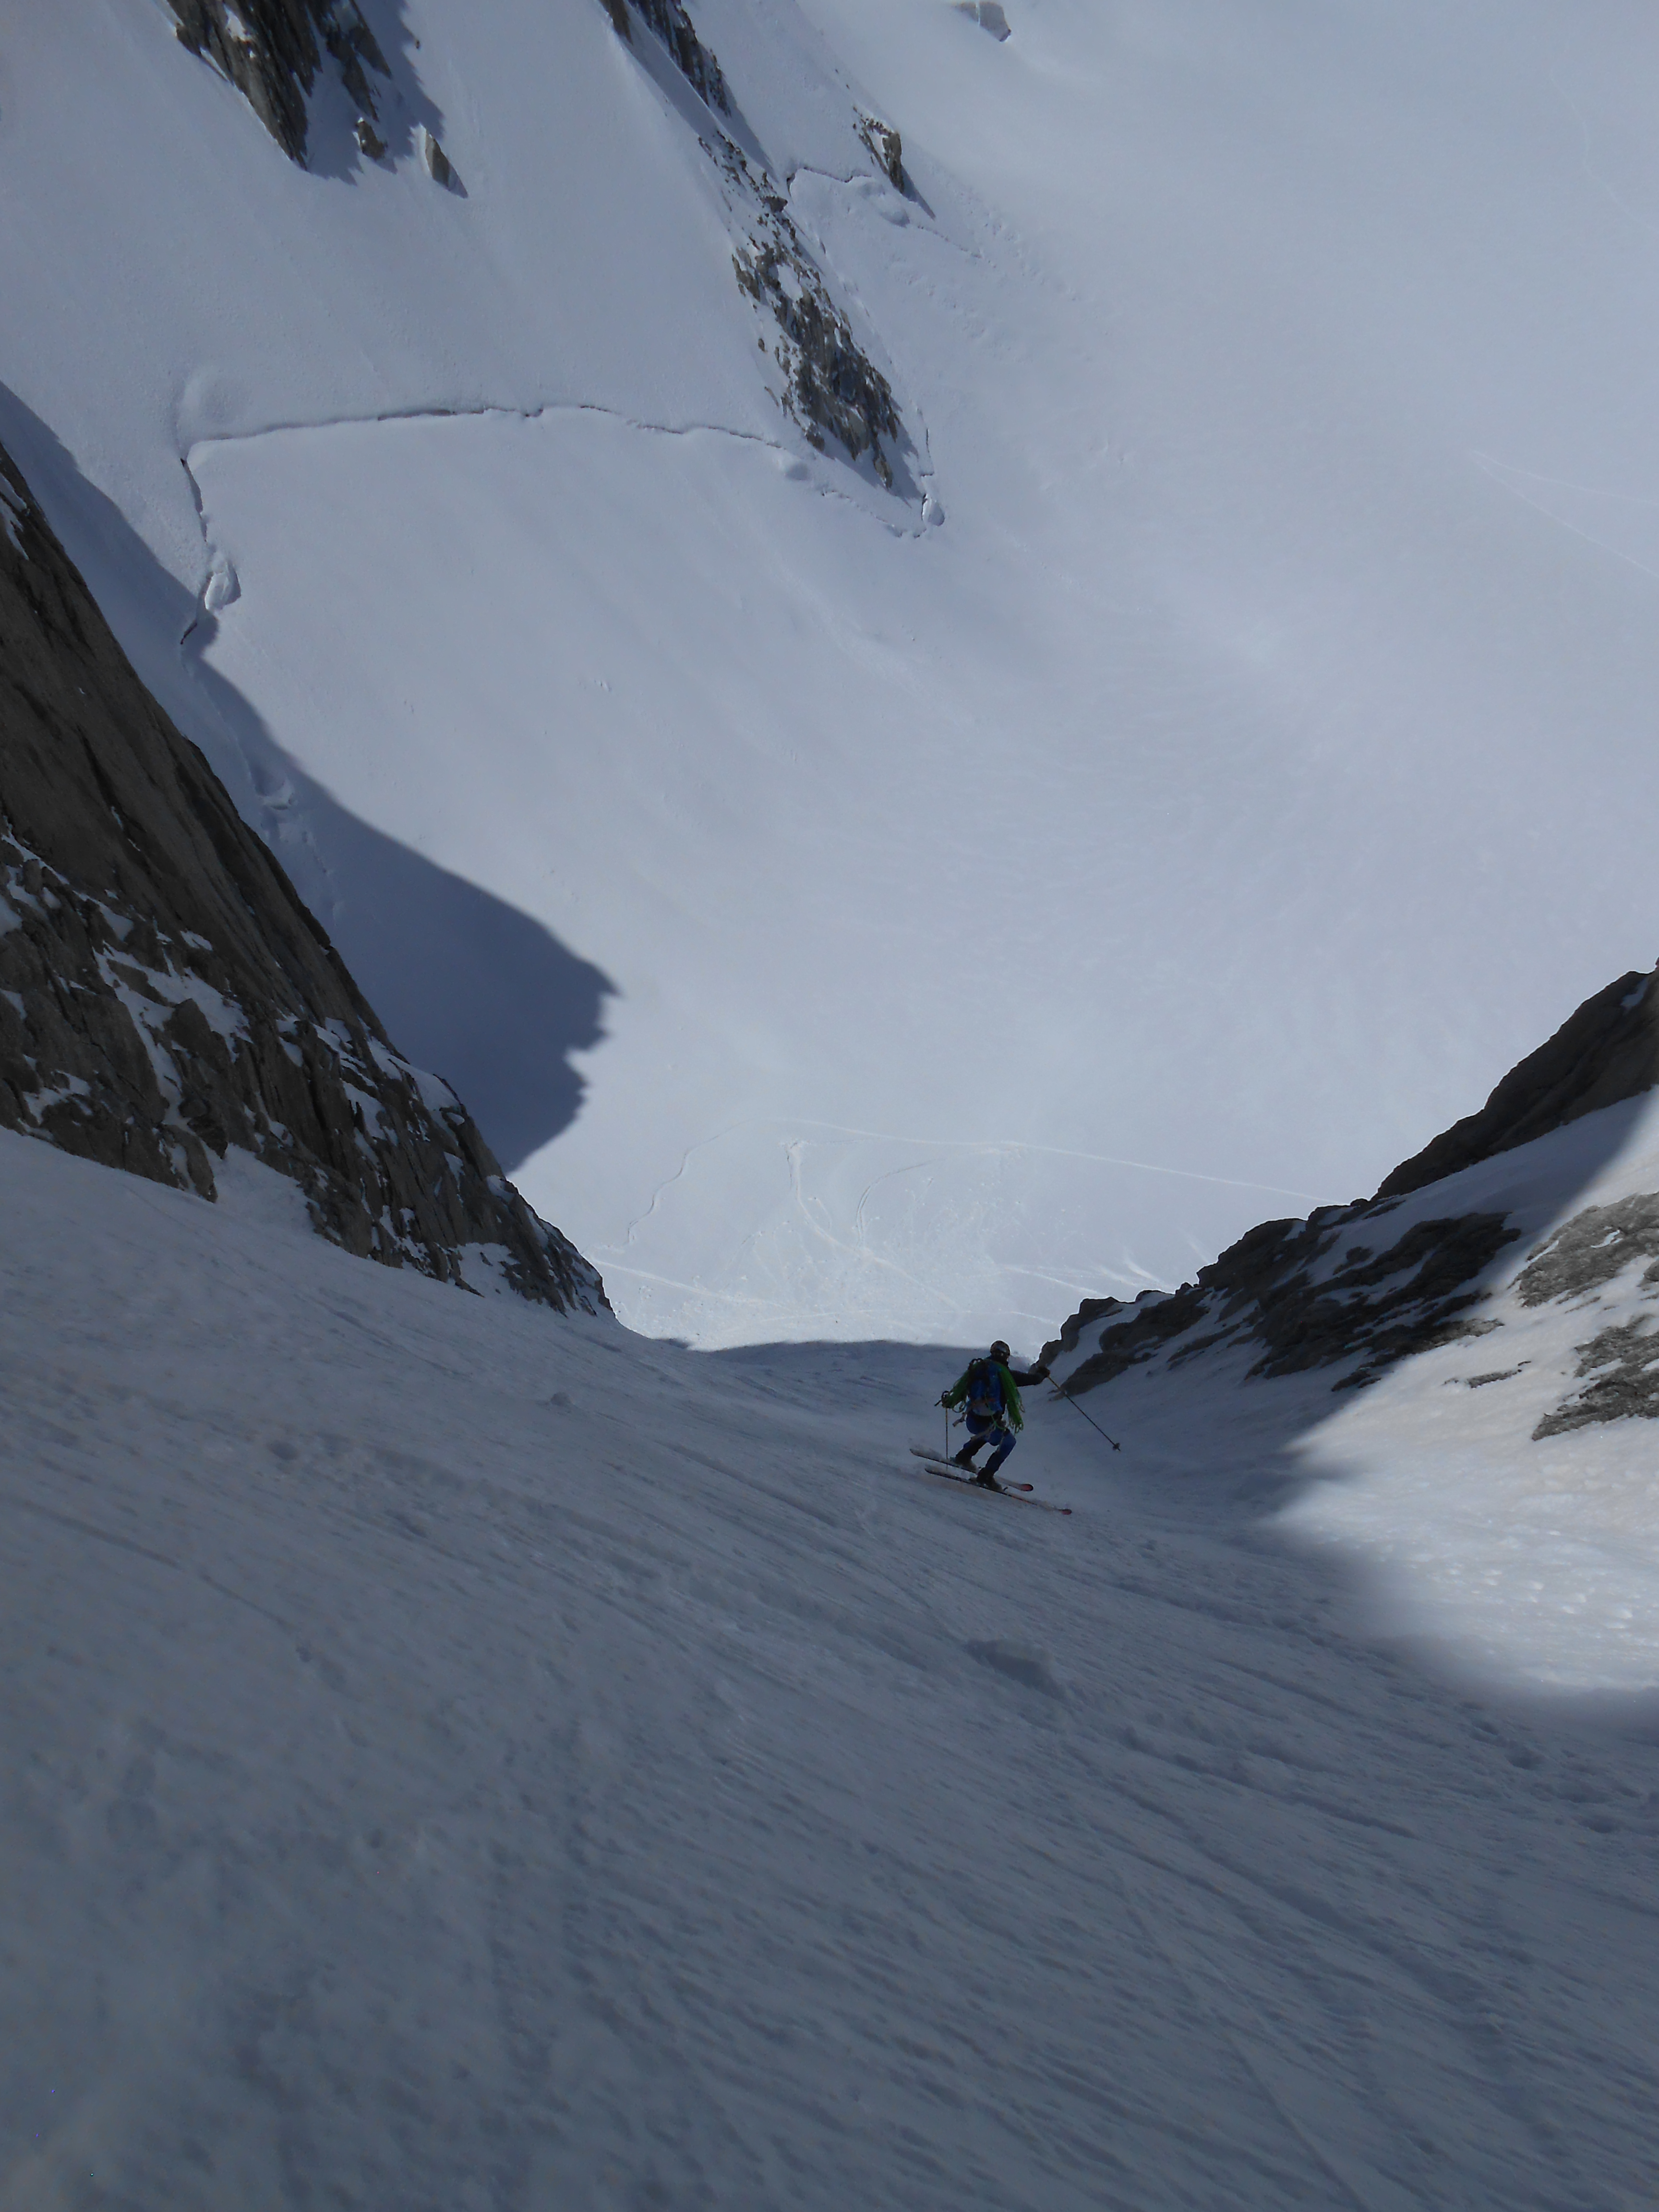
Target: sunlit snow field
1249 760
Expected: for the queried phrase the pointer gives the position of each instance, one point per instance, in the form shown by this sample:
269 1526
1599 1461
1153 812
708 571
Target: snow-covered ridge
164 996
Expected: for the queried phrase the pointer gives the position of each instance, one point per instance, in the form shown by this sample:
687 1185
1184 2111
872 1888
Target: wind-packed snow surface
456 1756
1226 749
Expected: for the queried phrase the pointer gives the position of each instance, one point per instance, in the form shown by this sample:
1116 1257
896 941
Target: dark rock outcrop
832 388
1090 1311
1608 1050
1625 1361
830 385
272 50
1581 1258
1593 1248
671 23
1285 1290
888 148
437 163
1346 1287
164 995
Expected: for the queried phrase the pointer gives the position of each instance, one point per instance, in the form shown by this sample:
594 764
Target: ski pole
1090 1418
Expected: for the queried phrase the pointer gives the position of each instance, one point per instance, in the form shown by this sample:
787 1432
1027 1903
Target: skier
990 1389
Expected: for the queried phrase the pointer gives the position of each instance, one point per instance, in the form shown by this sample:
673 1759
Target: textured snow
955 921
457 1756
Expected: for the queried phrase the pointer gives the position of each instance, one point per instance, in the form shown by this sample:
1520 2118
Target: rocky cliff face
671 23
830 387
1608 1050
272 51
163 993
1356 1288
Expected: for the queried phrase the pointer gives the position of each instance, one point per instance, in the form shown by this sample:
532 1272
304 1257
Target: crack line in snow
640 1219
792 1152
273 798
484 411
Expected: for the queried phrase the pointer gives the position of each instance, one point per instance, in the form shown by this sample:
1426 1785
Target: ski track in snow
461 1757
930 1293
1548 495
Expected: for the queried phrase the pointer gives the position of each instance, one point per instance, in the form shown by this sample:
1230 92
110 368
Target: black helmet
1000 1351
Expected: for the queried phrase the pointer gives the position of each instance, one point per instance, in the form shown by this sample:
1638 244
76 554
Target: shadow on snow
467 985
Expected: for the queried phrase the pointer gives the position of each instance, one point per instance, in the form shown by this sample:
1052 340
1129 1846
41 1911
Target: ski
1020 1493
950 1466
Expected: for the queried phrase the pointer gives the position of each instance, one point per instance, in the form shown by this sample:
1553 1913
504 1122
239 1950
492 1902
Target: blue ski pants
981 1425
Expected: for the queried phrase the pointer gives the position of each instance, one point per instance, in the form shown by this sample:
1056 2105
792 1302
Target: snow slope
1246 760
462 1757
